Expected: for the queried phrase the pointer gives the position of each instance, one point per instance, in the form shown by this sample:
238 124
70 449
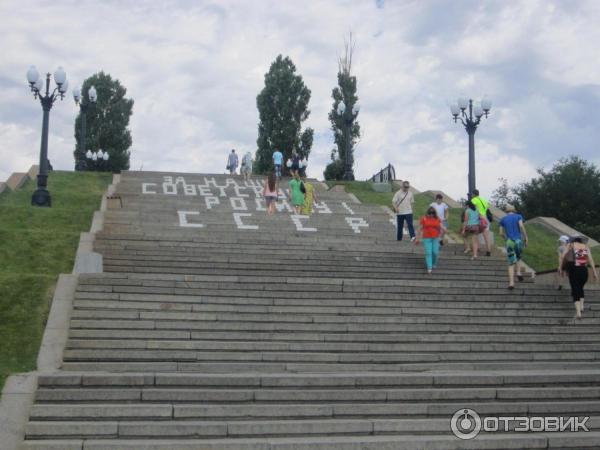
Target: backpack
302 188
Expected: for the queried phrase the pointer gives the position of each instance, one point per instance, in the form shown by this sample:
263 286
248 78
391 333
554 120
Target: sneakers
520 278
413 239
488 254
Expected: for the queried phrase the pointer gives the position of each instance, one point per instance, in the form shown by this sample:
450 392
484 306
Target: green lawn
37 244
540 254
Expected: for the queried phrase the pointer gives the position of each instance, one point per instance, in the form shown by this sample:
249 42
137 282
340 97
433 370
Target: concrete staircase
215 326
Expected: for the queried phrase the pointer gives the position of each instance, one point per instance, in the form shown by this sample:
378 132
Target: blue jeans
278 170
432 250
400 218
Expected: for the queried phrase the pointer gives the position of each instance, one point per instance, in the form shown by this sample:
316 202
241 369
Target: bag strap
403 198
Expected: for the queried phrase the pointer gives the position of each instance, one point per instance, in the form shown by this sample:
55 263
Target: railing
385 175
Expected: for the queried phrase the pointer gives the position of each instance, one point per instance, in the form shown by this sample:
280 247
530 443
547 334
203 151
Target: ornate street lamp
470 116
97 159
41 196
348 117
83 107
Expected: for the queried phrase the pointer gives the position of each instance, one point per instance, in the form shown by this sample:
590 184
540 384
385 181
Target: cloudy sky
194 69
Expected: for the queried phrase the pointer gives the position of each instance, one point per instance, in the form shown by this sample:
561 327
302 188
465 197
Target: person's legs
474 244
577 279
428 248
399 226
409 224
511 276
486 239
435 252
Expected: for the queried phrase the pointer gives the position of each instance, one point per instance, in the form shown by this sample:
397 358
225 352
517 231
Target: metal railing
385 175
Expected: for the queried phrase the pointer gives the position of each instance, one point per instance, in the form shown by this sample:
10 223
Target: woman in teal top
471 226
297 197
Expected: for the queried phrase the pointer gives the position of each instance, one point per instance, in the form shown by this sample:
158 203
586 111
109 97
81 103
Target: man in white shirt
403 202
442 211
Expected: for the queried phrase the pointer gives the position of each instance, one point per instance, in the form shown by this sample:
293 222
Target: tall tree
282 107
107 122
345 91
569 192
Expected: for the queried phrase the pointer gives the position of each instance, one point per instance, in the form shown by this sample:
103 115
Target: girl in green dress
296 194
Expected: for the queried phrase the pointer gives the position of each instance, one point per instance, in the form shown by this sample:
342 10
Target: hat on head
564 239
510 208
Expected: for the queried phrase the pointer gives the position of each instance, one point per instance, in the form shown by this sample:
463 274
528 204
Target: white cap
564 239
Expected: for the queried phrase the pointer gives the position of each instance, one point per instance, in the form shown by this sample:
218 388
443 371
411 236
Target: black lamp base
41 197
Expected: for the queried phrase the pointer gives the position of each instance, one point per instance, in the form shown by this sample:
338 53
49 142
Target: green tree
502 196
106 122
569 192
345 91
282 107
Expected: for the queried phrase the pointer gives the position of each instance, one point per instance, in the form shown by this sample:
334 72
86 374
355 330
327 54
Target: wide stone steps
229 338
506 441
112 410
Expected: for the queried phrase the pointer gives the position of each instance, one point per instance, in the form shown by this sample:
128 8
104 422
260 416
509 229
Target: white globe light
356 109
341 109
76 95
92 95
486 104
100 154
64 87
478 111
454 110
105 157
88 154
39 84
60 76
32 75
94 156
463 102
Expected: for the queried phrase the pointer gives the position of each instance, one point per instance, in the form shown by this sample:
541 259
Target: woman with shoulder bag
471 227
575 261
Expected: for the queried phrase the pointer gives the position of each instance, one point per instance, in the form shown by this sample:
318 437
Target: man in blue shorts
277 162
513 230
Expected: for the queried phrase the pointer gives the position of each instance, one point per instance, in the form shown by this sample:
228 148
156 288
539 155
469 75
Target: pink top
269 193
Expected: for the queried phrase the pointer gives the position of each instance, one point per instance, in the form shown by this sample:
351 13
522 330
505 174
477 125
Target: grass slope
37 244
540 254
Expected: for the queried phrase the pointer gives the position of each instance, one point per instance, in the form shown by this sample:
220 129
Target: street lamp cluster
349 116
97 159
83 107
41 89
470 116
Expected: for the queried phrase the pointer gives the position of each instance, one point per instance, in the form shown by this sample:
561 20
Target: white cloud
194 70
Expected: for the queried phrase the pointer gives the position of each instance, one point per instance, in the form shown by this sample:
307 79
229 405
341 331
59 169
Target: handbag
483 223
489 215
302 188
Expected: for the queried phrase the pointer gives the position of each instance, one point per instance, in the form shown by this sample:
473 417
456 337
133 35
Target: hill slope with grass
36 245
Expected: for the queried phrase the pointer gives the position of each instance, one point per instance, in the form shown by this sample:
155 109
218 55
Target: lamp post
41 196
97 159
83 107
348 117
470 116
